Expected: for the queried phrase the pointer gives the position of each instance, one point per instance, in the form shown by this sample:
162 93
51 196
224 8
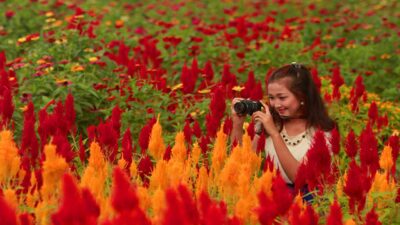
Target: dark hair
301 84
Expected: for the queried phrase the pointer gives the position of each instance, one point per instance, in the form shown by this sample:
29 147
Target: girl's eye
270 97
282 98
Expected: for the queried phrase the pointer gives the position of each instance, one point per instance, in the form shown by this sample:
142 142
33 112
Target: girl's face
283 100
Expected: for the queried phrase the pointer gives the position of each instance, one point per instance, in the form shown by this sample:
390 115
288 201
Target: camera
247 107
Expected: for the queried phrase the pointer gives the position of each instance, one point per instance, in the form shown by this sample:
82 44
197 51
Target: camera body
247 107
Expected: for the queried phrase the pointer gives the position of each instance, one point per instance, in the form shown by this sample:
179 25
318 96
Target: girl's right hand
237 120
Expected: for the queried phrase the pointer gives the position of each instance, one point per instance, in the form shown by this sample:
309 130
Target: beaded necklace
291 142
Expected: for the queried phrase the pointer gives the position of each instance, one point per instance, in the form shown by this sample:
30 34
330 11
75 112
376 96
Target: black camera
247 107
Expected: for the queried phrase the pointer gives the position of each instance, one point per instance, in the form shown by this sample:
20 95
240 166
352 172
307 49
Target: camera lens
240 108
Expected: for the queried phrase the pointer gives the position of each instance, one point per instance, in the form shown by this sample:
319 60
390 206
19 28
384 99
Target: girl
296 110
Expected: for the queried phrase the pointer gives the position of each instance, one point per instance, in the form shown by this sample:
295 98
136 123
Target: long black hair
301 84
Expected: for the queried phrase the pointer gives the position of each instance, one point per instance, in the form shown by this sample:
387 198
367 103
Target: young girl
296 111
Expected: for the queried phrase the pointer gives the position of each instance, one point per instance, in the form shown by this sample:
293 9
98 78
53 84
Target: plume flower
369 151
356 186
95 174
219 153
9 158
156 143
144 135
337 81
335 216
386 160
351 144
54 167
372 218
77 206
179 152
7 213
373 113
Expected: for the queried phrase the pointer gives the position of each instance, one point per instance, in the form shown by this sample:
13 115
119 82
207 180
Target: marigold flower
9 158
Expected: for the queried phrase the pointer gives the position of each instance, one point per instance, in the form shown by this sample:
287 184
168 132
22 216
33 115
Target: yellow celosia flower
386 159
158 203
176 173
264 183
159 176
202 181
11 198
156 142
122 163
9 158
179 151
144 198
95 174
350 222
218 153
54 167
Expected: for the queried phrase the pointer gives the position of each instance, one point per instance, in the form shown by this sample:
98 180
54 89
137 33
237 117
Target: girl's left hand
266 119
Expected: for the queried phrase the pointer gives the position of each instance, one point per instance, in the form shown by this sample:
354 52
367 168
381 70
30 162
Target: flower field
118 112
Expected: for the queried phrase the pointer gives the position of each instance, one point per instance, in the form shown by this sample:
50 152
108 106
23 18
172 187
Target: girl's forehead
278 86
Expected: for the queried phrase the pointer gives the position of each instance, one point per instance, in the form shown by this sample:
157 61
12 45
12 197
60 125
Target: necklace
292 142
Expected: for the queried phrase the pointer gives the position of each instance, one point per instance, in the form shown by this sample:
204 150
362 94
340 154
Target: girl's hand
237 120
266 119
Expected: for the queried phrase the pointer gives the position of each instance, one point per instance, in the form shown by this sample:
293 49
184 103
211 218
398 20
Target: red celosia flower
7 213
187 132
318 166
213 213
144 135
282 197
124 198
337 81
203 143
382 121
217 104
351 144
228 124
356 187
127 148
256 93
125 201
175 212
398 195
335 216
6 106
212 124
196 129
248 86
369 156
145 167
372 218
29 143
316 79
167 153
25 219
116 120
357 92
261 143
393 142
373 113
76 207
310 216
335 141
63 146
208 71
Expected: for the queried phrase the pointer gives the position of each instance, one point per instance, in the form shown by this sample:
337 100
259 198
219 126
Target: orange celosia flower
54 168
95 174
159 176
202 181
176 172
350 222
218 153
386 160
179 152
264 183
9 158
158 203
156 142
11 198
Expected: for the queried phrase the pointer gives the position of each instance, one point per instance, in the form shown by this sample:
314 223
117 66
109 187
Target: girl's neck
295 126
